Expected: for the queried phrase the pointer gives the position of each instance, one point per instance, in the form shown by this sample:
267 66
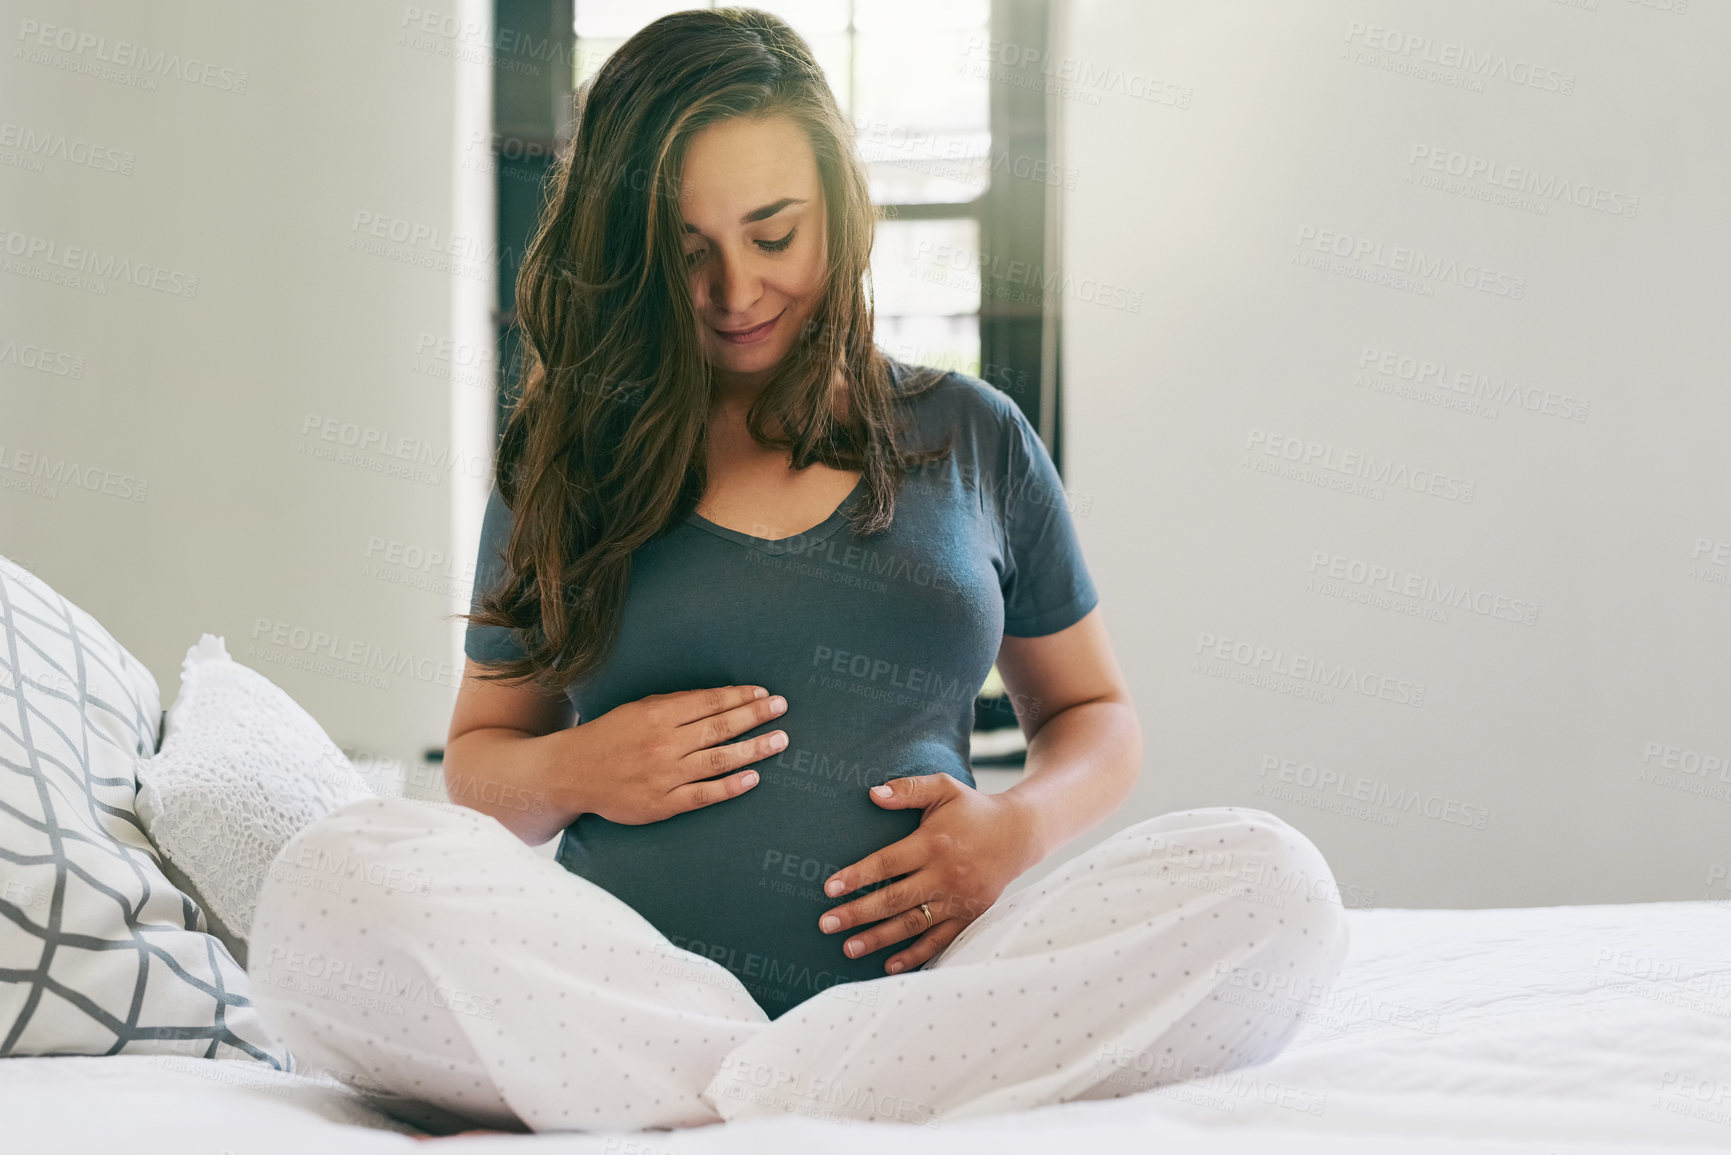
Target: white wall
250 146
1592 741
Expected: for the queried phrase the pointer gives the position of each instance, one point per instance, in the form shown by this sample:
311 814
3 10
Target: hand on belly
968 848
648 760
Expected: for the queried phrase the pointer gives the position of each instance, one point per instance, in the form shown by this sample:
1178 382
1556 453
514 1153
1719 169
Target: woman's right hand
649 759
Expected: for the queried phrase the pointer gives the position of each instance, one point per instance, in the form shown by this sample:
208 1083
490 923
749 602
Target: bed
132 841
1558 1029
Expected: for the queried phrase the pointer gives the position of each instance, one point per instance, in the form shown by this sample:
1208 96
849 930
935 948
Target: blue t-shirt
880 646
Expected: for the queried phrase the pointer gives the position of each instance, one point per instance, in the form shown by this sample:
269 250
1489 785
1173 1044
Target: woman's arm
508 755
1084 740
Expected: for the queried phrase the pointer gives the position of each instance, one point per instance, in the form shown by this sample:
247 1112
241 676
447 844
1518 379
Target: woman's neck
733 394
736 391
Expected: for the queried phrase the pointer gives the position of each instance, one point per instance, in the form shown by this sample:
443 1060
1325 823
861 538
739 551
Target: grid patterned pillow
99 953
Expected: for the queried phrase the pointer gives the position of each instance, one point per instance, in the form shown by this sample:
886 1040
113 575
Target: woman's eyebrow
759 214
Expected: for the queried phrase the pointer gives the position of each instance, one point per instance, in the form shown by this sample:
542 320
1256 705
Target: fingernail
758 691
882 791
833 886
895 966
777 740
749 778
829 922
852 947
777 704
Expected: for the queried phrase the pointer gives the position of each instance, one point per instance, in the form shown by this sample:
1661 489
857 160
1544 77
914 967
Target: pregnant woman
740 579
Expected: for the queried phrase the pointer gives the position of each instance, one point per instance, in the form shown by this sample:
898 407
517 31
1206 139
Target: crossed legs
1113 974
426 955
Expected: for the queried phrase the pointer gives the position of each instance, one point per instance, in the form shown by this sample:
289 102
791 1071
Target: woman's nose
734 287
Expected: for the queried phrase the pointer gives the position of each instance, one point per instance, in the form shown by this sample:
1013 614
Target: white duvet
1558 1029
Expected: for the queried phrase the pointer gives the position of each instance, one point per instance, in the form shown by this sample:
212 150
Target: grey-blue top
880 646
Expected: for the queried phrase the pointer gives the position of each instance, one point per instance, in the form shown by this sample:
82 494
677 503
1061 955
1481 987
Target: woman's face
755 240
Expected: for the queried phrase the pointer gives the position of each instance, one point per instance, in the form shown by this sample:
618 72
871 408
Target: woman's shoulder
952 397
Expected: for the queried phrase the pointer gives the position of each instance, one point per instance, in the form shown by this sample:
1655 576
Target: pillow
99 953
219 929
242 768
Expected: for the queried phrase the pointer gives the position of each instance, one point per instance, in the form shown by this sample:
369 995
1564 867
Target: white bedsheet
1560 1029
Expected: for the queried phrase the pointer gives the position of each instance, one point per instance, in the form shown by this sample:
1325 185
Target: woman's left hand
968 848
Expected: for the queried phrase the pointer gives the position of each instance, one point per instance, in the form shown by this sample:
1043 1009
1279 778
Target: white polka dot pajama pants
424 954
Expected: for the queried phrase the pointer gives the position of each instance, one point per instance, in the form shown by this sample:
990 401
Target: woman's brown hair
605 446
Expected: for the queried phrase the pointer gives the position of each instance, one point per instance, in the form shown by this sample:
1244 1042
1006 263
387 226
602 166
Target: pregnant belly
741 881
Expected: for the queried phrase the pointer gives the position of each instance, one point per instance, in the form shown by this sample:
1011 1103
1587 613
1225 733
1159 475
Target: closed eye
774 246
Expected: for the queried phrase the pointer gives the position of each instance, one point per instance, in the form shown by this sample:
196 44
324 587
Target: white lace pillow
100 954
241 770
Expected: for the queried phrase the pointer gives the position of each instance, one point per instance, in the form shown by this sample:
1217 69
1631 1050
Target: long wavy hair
605 447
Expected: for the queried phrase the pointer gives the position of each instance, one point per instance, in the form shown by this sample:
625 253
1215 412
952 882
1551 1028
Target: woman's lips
747 336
